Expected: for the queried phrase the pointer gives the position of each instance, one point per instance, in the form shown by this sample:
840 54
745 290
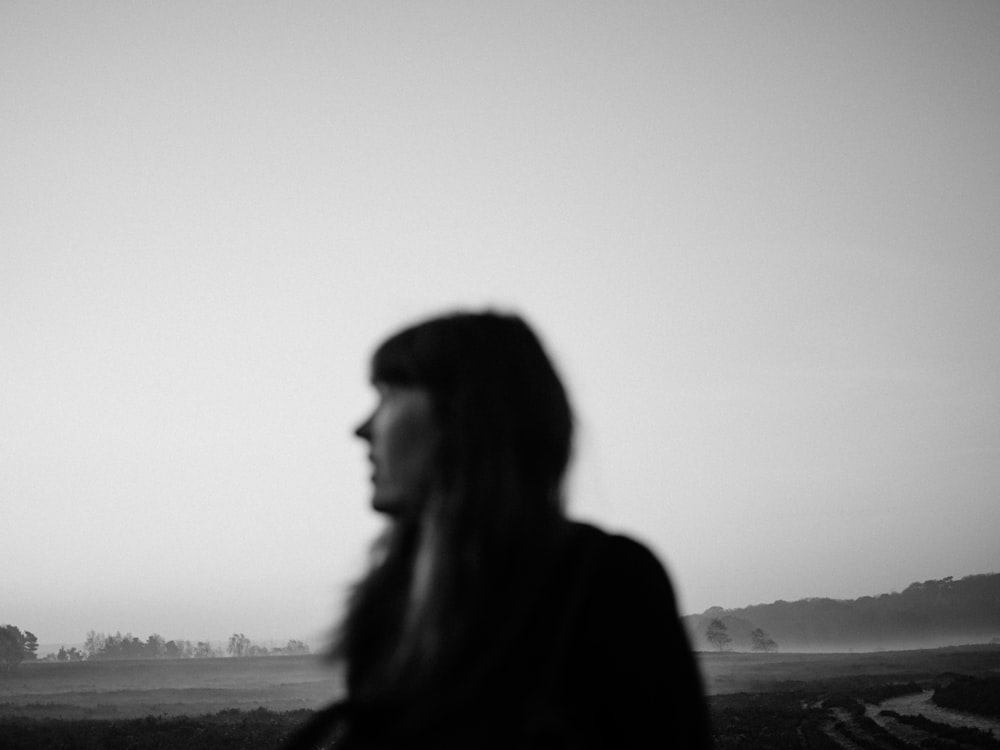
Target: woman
487 618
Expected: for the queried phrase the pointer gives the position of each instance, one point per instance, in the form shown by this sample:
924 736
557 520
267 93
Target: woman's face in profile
402 435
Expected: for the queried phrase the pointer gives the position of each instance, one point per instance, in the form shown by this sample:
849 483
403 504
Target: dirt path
843 718
920 703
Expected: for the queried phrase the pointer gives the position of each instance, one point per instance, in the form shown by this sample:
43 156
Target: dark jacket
601 660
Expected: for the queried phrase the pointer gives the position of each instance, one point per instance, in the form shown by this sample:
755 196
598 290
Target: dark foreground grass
816 720
837 713
978 695
225 730
807 718
768 721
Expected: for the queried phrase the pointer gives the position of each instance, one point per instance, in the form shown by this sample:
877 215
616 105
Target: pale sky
761 239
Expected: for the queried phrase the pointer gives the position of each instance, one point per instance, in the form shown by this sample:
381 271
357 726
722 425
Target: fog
760 240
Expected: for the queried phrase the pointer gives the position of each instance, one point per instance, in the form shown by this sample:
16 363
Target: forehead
388 388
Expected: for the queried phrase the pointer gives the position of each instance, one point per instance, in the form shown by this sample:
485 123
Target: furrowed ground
939 698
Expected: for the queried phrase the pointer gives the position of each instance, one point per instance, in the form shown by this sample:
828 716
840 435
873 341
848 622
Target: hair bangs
396 361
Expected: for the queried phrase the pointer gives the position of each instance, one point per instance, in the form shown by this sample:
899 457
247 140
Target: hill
927 614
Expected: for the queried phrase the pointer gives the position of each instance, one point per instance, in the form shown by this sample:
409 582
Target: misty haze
760 240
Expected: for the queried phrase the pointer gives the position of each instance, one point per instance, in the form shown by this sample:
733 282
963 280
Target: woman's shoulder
612 548
631 638
617 564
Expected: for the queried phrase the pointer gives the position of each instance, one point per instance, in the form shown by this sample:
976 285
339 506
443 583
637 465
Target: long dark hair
445 582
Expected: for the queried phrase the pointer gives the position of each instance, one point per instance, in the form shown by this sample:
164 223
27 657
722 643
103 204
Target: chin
386 506
393 507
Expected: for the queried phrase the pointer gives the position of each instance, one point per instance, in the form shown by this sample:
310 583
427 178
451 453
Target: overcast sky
761 239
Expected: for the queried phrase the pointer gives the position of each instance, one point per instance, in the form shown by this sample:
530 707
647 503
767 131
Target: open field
729 672
171 687
758 701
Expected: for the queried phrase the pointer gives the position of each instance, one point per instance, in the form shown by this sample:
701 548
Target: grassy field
756 672
165 687
758 701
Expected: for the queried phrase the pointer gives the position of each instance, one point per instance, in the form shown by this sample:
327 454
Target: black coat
601 662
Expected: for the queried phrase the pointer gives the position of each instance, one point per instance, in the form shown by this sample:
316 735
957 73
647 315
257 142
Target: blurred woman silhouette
488 619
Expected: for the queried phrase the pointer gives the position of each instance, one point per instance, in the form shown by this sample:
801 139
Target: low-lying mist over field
930 614
170 691
776 700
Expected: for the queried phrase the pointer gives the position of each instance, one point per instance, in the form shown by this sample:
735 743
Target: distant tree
30 646
718 634
239 645
111 646
133 647
296 647
761 641
155 646
73 654
203 650
93 644
178 649
120 646
15 647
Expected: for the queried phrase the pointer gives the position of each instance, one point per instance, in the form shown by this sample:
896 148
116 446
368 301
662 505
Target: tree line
117 646
240 646
931 612
17 646
99 645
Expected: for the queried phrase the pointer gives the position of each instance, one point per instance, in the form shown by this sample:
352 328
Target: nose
364 430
